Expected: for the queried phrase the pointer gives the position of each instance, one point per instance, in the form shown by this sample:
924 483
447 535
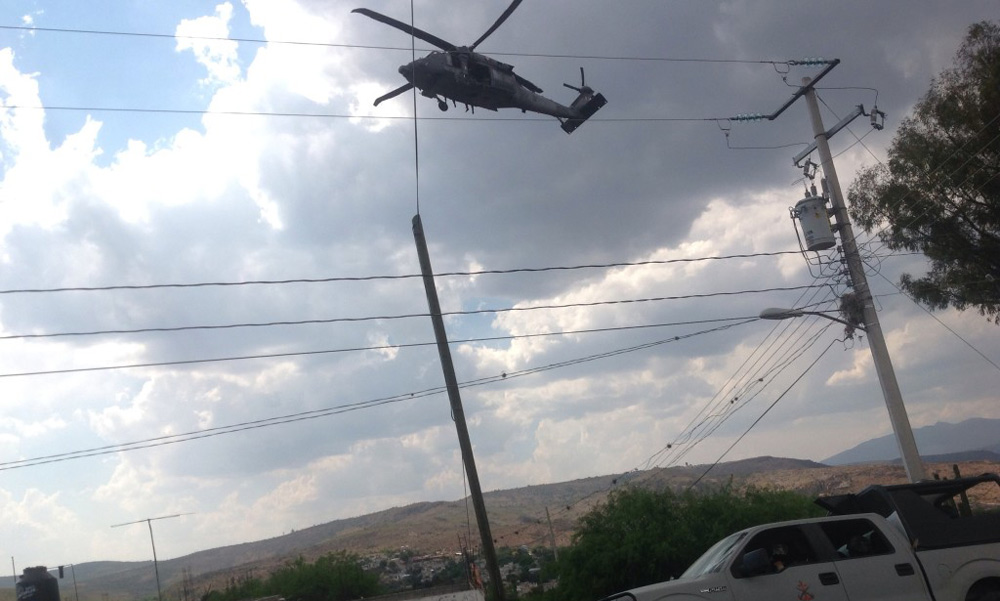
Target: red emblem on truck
804 594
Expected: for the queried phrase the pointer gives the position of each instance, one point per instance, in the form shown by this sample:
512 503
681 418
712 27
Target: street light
890 390
775 313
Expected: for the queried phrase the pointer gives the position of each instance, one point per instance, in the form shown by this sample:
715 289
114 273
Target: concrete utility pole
458 414
876 341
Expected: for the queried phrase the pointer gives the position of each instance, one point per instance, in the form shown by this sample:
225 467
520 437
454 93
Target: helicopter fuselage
477 80
461 75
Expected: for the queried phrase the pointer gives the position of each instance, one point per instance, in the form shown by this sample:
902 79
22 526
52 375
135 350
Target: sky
148 145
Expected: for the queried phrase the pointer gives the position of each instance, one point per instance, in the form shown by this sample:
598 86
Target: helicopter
462 75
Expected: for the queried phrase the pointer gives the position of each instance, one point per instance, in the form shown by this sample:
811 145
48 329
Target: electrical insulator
877 118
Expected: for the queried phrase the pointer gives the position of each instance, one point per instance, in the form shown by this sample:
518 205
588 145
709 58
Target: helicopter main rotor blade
403 88
417 33
513 6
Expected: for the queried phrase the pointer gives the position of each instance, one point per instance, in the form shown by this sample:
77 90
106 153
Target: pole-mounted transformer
815 222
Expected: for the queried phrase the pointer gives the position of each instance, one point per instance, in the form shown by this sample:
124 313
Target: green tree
640 536
939 192
333 577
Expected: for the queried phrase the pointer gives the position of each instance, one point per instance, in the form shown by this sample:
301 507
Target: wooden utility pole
458 414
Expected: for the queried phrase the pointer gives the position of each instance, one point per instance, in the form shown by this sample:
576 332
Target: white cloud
860 370
205 37
37 515
258 190
34 429
130 487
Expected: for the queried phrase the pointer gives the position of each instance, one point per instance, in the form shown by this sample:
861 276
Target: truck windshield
715 558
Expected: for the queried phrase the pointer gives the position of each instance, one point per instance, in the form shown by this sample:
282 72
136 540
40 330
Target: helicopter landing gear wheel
442 105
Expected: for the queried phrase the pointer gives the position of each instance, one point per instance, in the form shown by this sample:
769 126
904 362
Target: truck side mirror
756 562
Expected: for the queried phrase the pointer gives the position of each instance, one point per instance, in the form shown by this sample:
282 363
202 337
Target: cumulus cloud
206 38
293 175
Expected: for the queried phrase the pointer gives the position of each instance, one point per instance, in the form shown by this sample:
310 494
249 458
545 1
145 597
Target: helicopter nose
407 72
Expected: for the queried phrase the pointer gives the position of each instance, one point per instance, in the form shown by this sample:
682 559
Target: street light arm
777 313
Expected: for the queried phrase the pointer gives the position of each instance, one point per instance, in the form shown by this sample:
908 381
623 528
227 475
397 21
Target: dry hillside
517 517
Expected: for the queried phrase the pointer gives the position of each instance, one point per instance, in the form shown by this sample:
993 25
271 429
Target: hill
974 439
517 517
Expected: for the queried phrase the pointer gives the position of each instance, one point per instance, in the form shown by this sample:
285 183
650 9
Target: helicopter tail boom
585 105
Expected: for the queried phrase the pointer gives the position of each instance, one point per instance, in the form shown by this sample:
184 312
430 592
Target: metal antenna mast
156 567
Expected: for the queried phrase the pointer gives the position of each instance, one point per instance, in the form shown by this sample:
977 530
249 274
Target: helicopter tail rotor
584 88
586 104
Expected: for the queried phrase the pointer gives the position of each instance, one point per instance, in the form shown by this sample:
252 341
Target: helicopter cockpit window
479 71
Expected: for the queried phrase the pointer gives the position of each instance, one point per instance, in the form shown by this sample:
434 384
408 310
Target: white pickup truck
908 542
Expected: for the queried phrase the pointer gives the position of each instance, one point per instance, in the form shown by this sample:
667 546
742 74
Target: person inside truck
779 557
784 548
859 546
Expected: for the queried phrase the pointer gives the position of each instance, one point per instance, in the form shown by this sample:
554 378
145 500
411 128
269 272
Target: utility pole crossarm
143 521
857 112
806 87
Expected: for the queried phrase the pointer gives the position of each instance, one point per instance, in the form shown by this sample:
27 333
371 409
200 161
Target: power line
411 315
931 173
670 448
360 349
102 32
624 477
764 359
731 404
788 358
371 278
766 411
671 453
942 324
335 410
303 115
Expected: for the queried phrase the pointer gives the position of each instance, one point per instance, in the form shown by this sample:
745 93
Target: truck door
783 563
870 567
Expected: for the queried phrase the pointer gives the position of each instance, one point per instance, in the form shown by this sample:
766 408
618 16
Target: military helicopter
461 75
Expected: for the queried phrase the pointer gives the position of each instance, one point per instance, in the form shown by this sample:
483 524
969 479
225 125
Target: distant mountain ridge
977 438
514 514
429 527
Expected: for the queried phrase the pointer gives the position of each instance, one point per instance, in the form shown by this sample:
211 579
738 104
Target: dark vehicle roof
926 510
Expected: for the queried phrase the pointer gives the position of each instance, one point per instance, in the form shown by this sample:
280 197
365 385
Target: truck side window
856 538
786 547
